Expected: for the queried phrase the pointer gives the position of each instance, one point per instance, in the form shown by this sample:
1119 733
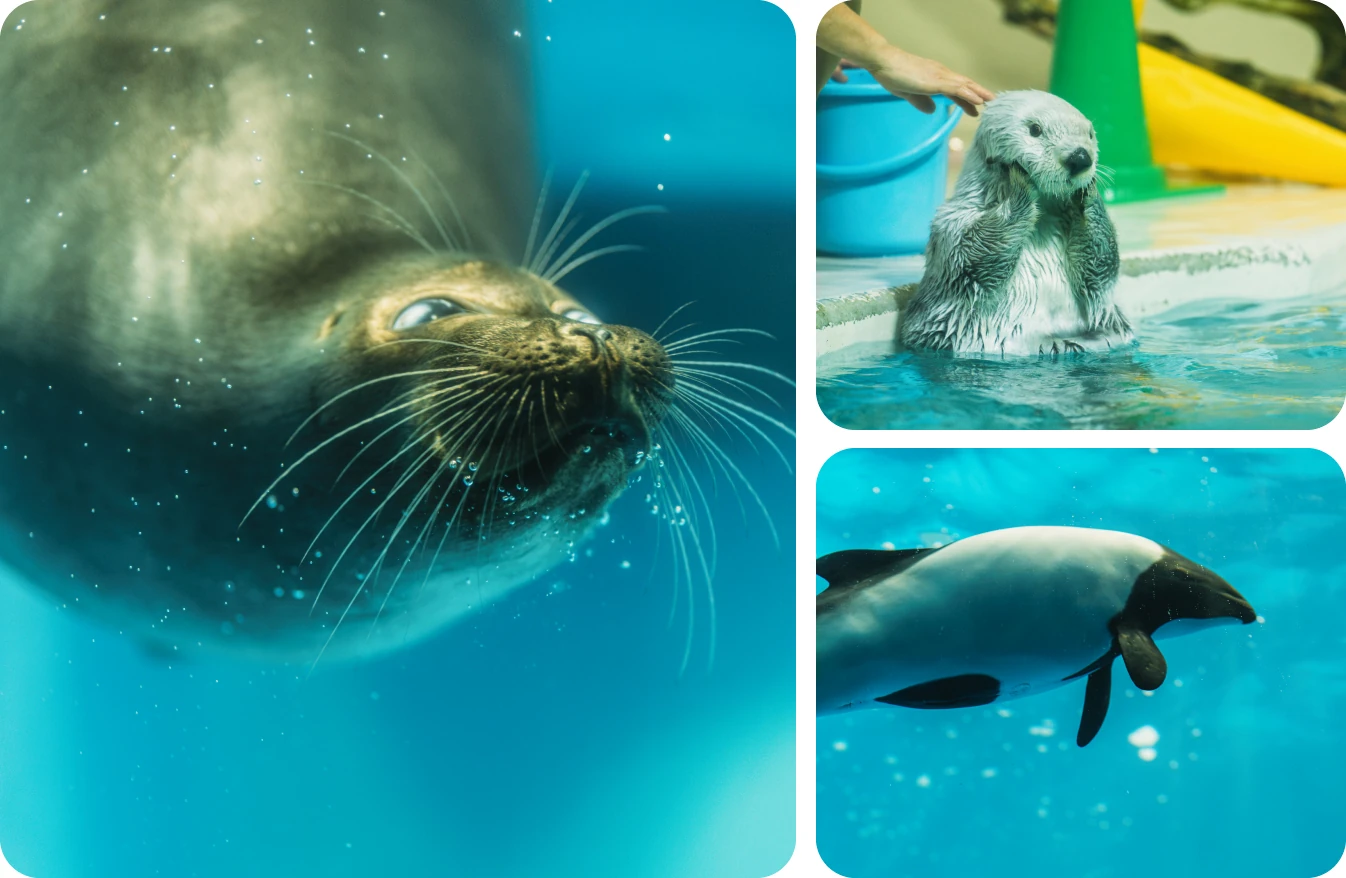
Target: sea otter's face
512 387
1051 140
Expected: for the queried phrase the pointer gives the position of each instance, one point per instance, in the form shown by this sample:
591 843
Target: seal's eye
1034 129
424 311
580 315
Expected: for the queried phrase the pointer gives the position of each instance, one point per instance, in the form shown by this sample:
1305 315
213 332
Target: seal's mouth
624 438
627 437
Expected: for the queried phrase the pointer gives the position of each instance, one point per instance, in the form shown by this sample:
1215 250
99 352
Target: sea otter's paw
1060 346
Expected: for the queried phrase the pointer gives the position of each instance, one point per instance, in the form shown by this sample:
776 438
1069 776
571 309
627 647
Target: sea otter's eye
424 311
1035 129
580 315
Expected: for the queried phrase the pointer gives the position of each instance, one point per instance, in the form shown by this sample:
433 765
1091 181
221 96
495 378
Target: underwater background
1232 768
550 734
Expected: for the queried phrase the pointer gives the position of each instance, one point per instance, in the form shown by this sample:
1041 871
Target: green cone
1095 67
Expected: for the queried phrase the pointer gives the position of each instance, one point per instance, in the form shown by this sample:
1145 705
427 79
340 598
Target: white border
819 438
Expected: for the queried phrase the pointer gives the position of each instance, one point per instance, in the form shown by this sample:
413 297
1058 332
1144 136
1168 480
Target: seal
270 373
1006 614
1023 258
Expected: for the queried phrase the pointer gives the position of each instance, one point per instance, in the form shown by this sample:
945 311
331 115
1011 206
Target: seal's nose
1078 161
600 336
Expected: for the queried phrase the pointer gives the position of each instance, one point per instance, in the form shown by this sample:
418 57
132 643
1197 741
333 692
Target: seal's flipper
964 690
850 566
1144 662
1097 695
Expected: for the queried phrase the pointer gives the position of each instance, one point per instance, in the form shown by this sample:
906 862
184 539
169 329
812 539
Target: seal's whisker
434 341
398 227
449 242
448 525
590 257
361 386
416 501
713 453
537 218
729 364
378 562
321 445
596 229
690 349
546 245
415 465
457 394
401 222
717 333
425 434
544 257
745 386
683 469
727 407
674 313
443 191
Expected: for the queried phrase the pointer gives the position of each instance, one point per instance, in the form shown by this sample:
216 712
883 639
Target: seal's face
1051 140
501 378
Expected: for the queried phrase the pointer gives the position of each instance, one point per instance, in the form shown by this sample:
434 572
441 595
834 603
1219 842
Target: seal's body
237 225
1023 258
1006 614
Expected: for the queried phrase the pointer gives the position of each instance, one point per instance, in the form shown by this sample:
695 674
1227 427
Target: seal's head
1047 137
491 374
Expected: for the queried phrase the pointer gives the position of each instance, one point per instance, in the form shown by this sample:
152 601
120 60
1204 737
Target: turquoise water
550 734
1248 775
1207 365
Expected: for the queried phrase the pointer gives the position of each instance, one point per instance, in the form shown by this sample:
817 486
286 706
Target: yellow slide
1204 121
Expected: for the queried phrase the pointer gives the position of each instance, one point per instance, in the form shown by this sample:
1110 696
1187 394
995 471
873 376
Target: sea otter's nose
1078 161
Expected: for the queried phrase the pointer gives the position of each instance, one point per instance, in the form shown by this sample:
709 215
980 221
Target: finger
981 91
924 103
967 107
969 94
848 64
839 75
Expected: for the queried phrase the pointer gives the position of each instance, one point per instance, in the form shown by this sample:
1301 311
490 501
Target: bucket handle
884 167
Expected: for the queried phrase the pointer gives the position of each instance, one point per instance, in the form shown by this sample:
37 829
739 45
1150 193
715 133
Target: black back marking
854 568
851 566
964 690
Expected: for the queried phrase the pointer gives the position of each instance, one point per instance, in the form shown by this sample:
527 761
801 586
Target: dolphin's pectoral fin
964 690
1097 695
1144 662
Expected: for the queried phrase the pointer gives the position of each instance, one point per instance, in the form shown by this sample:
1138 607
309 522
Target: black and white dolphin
1006 614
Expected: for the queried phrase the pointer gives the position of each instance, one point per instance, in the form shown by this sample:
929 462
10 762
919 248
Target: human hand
839 75
915 79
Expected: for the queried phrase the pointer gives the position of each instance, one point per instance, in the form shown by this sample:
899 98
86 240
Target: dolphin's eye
580 315
424 311
1034 129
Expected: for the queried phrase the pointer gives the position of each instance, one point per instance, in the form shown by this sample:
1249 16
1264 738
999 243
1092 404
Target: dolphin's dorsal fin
1097 695
1144 662
851 566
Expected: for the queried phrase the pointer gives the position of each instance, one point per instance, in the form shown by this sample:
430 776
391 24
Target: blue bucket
882 168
